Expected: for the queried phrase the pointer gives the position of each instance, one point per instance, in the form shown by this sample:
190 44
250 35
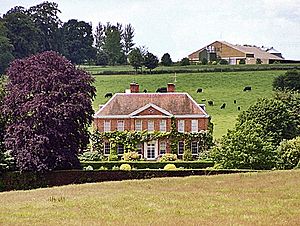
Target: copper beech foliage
49 107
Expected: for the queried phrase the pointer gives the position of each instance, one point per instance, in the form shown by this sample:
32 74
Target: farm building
235 53
153 112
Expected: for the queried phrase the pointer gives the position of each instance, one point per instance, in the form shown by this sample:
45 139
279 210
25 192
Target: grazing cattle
247 88
210 103
234 101
162 90
145 91
203 100
239 108
199 90
223 106
108 95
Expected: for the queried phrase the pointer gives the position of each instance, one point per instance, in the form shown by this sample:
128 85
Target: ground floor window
151 150
162 148
194 148
120 149
139 148
180 147
106 148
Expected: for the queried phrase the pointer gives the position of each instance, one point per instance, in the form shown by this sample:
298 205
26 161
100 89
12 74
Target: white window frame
150 126
106 146
138 125
194 142
107 126
120 125
194 126
163 125
162 147
181 126
179 145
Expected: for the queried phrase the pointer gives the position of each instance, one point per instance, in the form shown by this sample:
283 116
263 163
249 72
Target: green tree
99 37
128 39
184 61
78 41
101 58
136 59
150 61
5 49
289 153
45 18
166 60
289 80
21 32
112 44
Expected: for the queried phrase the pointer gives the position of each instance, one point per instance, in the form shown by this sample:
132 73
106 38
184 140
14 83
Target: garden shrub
289 153
170 167
90 156
223 62
113 157
115 168
89 168
103 168
168 157
187 155
131 156
126 167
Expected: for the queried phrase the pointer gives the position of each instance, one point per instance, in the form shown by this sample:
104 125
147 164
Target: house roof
128 104
258 52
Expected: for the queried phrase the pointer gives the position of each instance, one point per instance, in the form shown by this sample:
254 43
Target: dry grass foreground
268 198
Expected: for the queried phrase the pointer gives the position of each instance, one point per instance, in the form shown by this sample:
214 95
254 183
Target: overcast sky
180 27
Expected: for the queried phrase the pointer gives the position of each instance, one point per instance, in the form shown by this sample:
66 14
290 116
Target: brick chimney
134 87
171 88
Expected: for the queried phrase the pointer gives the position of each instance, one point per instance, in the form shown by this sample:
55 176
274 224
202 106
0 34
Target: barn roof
174 103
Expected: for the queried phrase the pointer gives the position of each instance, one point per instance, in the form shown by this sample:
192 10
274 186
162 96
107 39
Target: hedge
148 164
31 180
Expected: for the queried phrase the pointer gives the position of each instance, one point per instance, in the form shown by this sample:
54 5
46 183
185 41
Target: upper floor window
106 126
180 147
163 126
138 125
120 126
194 126
106 148
180 125
194 148
150 126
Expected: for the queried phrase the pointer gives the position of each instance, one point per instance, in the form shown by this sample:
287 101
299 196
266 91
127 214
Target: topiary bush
170 167
126 167
168 157
131 156
289 153
89 168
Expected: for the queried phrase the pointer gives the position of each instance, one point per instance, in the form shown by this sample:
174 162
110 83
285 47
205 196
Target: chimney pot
134 87
171 87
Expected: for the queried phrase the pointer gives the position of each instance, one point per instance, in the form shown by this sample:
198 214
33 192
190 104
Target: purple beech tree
49 108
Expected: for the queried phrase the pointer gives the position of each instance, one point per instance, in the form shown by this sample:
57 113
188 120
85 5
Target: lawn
220 87
266 198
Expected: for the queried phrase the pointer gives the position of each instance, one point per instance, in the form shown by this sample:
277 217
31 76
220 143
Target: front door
150 150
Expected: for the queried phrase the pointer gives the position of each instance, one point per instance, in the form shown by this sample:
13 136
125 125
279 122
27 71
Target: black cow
210 103
247 88
203 100
223 106
162 90
145 91
108 95
234 101
199 90
239 108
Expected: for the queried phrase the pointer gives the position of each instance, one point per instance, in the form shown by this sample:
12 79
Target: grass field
220 87
269 198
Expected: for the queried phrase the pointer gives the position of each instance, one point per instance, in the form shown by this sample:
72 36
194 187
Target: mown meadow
220 87
265 198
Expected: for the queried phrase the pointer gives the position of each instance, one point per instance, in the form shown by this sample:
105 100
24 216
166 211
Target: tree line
24 32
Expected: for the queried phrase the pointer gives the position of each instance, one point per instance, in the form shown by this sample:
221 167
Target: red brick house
135 111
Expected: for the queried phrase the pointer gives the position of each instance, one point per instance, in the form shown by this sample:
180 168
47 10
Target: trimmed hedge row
228 68
148 164
31 180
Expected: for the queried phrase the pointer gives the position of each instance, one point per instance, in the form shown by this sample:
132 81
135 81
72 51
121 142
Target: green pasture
219 87
266 198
